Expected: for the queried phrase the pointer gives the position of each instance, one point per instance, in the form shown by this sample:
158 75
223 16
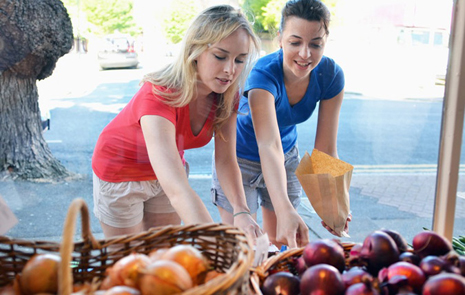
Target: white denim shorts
122 204
254 184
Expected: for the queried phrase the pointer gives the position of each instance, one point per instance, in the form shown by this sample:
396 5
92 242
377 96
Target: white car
117 51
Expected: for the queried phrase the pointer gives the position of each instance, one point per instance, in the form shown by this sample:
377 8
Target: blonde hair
180 77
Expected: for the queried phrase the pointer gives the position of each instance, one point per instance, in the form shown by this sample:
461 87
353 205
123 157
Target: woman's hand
248 224
346 227
292 230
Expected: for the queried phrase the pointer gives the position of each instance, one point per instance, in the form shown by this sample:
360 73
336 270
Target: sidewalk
398 202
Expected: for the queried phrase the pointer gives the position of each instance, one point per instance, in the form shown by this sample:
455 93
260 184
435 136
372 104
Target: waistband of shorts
293 152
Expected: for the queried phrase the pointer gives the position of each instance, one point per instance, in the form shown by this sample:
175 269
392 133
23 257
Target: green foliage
272 15
267 13
109 16
458 244
101 17
254 7
178 18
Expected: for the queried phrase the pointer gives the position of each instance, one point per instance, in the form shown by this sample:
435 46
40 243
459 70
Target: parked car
117 51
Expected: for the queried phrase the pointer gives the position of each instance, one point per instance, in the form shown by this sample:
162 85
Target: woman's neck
202 92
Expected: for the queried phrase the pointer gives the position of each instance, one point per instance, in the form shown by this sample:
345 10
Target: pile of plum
384 264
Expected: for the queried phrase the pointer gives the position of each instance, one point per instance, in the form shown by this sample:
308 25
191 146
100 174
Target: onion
363 288
210 275
461 265
299 265
444 284
432 265
430 243
354 255
401 243
164 277
190 258
106 283
7 290
156 254
281 283
452 262
355 275
379 250
126 270
410 258
122 290
322 279
413 273
324 251
40 274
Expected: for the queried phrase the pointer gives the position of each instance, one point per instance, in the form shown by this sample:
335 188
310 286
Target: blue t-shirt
326 81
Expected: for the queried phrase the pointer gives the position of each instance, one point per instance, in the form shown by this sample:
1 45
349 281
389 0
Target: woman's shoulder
327 63
150 90
330 77
268 69
148 86
270 62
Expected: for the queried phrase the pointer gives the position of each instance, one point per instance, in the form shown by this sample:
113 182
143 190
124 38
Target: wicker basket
281 262
226 247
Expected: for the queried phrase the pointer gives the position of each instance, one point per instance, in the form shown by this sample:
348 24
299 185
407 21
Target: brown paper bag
326 182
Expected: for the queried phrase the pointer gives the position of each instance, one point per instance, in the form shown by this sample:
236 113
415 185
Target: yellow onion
122 290
190 258
164 277
156 254
40 274
126 270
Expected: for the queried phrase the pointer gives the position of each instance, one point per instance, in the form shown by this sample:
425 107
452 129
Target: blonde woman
140 175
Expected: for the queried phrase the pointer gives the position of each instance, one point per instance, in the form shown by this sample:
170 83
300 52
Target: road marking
54 141
398 168
374 169
200 176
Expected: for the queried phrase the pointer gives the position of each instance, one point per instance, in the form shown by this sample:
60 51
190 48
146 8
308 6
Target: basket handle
65 278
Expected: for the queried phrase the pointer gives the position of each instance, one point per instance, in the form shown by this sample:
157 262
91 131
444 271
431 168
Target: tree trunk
34 34
23 149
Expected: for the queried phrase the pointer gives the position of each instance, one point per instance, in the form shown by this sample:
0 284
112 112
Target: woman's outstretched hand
346 227
292 230
248 225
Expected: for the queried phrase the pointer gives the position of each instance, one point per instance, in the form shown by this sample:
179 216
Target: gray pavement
398 202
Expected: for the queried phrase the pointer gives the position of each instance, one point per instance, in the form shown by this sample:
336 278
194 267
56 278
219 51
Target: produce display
163 271
384 264
191 259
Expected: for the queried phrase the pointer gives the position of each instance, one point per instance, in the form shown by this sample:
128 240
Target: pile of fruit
163 271
384 264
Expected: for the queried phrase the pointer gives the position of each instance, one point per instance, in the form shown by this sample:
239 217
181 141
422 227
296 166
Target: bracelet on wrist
242 212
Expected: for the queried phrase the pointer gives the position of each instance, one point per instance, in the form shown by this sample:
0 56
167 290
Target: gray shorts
122 204
254 184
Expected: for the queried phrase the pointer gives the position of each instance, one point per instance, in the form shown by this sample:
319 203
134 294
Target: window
390 123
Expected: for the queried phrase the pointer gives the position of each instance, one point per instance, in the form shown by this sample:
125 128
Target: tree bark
34 34
25 154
